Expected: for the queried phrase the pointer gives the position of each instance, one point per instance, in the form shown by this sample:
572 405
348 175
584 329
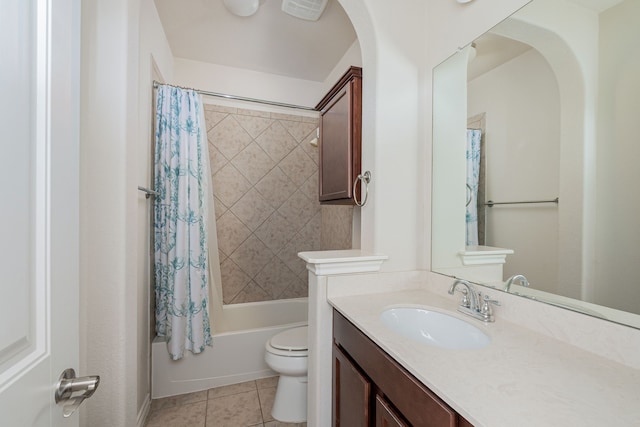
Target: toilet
286 354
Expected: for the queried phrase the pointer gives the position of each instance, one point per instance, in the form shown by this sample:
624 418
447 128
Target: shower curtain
473 176
180 221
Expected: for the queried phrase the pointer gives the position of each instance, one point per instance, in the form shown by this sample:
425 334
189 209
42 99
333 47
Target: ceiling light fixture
242 7
464 1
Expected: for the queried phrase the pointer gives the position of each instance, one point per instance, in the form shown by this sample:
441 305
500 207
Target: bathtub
237 352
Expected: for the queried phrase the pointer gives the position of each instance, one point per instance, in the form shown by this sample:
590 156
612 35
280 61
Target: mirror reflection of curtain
474 137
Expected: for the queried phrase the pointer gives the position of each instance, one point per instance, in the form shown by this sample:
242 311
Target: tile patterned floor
239 405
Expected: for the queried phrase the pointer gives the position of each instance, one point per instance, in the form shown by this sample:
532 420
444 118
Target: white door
39 186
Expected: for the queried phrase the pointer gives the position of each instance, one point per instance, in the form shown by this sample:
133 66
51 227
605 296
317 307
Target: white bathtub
237 354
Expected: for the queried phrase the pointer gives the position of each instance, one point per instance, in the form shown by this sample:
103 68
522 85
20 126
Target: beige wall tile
299 130
265 182
229 137
231 233
276 142
275 277
233 280
230 185
297 210
276 187
251 293
298 166
252 256
252 209
275 232
253 163
254 125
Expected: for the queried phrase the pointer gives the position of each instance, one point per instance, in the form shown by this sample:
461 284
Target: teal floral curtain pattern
473 176
180 232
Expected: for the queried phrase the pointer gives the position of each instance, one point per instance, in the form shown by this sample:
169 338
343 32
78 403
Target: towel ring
366 177
470 195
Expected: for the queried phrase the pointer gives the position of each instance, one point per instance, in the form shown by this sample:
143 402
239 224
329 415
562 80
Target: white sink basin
434 328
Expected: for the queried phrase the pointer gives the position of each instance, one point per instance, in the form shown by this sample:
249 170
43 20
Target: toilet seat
289 343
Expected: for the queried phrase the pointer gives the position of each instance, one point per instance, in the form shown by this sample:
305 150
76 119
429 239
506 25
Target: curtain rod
237 98
491 203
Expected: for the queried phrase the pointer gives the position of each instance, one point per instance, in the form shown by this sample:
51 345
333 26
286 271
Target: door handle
72 391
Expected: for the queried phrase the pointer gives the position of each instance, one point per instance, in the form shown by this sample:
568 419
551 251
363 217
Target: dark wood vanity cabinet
341 139
371 389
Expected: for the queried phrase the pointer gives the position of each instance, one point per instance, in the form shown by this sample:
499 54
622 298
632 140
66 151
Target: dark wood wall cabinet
371 389
341 139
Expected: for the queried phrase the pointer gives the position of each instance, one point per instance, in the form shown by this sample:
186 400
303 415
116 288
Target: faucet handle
487 299
486 310
465 298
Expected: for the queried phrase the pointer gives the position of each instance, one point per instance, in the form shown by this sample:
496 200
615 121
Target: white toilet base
290 404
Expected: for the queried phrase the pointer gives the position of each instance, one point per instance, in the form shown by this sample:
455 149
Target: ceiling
269 41
493 50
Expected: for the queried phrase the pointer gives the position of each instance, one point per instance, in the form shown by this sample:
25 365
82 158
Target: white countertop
522 378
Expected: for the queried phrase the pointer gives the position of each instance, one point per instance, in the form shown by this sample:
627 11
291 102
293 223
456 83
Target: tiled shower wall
265 185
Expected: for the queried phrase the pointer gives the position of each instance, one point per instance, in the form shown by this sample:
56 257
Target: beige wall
618 152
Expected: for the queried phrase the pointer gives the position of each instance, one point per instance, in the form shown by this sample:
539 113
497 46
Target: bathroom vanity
522 377
372 389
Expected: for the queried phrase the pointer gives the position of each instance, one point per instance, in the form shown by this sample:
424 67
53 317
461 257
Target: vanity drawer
412 400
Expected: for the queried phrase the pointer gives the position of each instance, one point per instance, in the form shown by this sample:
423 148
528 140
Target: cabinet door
336 158
351 393
386 416
341 139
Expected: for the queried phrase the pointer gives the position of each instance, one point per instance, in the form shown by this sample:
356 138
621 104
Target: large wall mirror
536 151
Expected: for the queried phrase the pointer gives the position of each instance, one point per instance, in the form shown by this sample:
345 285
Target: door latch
72 391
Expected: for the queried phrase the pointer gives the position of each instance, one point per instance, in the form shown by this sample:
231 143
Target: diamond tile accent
275 277
212 118
252 256
252 209
298 289
217 160
299 130
233 279
251 293
298 166
310 233
297 210
254 125
229 137
253 163
312 151
265 183
276 187
219 207
311 189
289 254
231 233
276 142
275 232
229 185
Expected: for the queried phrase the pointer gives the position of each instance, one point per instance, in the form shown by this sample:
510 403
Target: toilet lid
292 339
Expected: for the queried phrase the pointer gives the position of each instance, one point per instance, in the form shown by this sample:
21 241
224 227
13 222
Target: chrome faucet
473 304
518 277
